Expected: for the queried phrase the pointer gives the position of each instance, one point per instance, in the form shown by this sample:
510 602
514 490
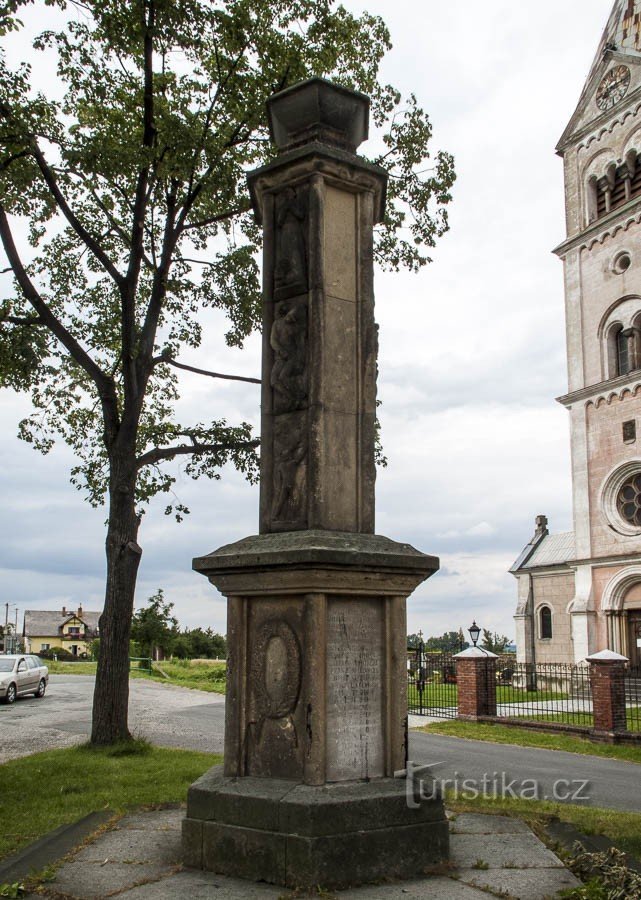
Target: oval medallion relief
278 654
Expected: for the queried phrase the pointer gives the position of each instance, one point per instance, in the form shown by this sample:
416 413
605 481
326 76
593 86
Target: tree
133 188
154 627
450 642
494 642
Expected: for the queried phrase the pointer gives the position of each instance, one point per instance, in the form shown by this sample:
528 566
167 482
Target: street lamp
474 632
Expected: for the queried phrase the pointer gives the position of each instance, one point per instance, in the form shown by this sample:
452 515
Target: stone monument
316 709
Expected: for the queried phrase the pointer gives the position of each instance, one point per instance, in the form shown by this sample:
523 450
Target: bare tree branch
195 449
172 362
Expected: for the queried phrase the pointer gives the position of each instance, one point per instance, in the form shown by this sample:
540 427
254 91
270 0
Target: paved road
178 717
164 714
603 782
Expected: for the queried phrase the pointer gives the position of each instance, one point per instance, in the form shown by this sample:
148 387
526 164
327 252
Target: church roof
552 550
620 42
622 32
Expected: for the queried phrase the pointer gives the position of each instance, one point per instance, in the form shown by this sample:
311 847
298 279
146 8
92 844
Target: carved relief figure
290 452
288 339
290 271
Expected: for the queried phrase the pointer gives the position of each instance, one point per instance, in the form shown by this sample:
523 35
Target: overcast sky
472 350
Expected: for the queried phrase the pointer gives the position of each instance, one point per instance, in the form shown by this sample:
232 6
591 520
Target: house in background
73 631
580 591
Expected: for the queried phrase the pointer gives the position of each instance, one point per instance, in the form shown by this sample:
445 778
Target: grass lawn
201 674
447 695
623 828
633 716
70 668
38 793
524 737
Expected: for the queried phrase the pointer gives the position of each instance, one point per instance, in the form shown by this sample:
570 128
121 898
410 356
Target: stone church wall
606 451
555 591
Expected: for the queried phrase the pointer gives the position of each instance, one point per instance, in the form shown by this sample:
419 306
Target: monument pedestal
316 716
302 836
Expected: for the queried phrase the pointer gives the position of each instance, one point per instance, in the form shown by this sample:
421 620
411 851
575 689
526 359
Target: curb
52 847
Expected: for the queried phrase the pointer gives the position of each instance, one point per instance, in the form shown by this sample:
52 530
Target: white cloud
472 349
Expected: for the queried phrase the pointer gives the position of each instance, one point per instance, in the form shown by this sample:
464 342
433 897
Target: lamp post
474 632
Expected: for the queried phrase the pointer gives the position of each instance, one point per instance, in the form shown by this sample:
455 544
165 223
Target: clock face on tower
613 87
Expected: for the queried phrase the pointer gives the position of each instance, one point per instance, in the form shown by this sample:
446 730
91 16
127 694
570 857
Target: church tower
580 592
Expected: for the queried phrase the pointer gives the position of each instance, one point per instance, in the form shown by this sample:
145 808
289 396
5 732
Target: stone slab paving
140 860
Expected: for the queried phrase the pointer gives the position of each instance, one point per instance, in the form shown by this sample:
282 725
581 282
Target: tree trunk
111 694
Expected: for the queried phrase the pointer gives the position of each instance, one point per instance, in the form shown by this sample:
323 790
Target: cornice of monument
344 548
317 157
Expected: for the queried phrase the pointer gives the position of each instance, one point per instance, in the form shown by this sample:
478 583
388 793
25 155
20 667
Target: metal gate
431 683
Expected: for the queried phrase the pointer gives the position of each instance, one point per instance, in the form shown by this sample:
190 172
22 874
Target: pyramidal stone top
318 110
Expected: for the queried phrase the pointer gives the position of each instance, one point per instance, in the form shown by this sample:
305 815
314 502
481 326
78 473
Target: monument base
302 836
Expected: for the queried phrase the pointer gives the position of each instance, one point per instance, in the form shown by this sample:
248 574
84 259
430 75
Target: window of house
45 647
545 617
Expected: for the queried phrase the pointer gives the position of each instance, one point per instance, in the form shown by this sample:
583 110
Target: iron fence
431 683
632 681
552 692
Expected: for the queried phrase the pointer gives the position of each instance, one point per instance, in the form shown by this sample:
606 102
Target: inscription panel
355 690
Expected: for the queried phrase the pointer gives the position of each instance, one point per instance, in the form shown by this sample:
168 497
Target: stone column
318 204
476 681
607 672
316 714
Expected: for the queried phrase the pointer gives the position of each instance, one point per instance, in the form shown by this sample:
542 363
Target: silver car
22 674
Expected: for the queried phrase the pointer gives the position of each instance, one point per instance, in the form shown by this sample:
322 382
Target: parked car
22 674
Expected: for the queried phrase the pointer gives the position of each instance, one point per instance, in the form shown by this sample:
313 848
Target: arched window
619 184
623 352
545 622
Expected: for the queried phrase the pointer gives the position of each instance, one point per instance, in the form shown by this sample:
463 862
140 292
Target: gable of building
52 623
620 45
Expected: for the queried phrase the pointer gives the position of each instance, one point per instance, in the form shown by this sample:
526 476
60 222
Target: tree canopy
124 213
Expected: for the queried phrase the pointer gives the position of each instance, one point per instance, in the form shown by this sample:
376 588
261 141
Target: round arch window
621 498
629 500
545 623
621 263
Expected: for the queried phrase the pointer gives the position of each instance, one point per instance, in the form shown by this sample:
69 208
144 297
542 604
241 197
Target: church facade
580 592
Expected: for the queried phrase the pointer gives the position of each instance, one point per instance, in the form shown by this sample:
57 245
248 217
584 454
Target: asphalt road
553 774
178 717
164 714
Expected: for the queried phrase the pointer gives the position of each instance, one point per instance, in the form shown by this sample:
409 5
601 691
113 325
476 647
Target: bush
606 876
59 653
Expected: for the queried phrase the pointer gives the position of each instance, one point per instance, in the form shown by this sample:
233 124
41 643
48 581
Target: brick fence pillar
476 681
607 671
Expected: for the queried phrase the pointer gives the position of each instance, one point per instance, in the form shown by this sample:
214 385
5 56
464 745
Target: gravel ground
167 715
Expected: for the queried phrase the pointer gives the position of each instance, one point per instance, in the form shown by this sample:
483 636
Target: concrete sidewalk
140 859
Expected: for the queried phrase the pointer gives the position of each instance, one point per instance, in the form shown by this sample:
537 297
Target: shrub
606 876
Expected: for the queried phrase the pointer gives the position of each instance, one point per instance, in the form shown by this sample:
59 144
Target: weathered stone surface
355 702
535 884
299 835
245 852
474 823
501 850
316 546
318 109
